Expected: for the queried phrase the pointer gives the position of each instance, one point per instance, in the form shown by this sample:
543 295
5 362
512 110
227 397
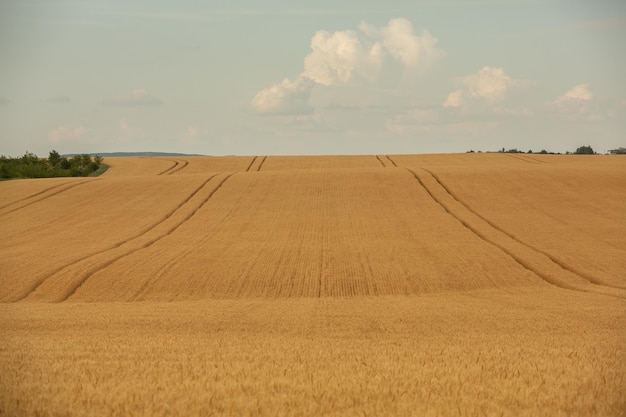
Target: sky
280 77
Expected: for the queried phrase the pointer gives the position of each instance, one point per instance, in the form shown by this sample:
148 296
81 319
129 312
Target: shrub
584 150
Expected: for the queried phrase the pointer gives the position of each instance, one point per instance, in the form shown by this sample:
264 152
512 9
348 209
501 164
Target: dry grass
347 285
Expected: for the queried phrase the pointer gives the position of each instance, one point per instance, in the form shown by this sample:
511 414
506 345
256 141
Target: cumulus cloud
455 99
138 97
576 104
336 57
399 40
339 57
577 94
286 97
58 99
70 133
489 84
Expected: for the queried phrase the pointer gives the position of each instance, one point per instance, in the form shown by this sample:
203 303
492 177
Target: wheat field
412 285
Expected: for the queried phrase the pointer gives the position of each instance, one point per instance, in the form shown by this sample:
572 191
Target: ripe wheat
482 284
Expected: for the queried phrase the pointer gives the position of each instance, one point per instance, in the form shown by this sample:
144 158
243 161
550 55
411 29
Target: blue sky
324 77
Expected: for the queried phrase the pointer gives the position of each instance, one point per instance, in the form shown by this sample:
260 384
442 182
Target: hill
467 284
135 154
206 227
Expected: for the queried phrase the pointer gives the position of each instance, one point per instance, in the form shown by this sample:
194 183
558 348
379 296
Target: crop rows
283 232
309 233
554 208
469 285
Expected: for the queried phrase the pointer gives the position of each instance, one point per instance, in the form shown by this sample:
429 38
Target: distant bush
584 150
31 166
513 150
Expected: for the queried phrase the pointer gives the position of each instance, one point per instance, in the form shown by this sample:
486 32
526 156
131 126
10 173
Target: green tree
584 150
54 158
6 170
31 166
86 159
29 158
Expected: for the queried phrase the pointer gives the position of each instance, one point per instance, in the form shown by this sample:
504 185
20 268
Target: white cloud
576 104
403 45
70 133
455 99
489 83
577 94
337 57
138 97
286 97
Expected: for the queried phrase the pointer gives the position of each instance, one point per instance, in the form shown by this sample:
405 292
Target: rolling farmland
469 284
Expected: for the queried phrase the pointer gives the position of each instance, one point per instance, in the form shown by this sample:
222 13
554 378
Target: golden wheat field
373 285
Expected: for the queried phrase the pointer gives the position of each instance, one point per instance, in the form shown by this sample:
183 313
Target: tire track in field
522 158
170 264
32 195
120 243
174 168
535 160
391 160
560 263
72 290
68 187
381 161
178 168
511 245
251 163
128 240
261 164
170 168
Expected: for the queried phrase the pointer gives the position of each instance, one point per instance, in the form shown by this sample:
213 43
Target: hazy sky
325 77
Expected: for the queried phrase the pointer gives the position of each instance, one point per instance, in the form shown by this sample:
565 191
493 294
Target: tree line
31 166
581 150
